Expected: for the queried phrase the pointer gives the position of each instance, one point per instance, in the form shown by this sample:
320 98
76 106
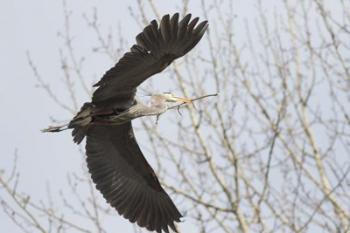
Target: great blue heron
115 161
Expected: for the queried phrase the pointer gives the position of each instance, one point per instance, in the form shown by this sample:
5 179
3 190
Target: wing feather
165 28
174 23
125 200
136 202
144 212
192 24
135 213
200 27
125 179
156 47
182 28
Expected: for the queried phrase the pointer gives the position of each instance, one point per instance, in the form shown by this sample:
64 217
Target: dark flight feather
157 46
124 177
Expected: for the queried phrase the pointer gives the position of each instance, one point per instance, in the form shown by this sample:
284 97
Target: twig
192 100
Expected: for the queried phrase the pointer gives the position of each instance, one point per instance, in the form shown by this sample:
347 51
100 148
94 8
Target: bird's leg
178 110
157 118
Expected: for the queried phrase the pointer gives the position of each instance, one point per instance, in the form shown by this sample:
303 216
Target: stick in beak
183 100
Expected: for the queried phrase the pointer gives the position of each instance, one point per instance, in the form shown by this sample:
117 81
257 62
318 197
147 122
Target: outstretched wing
157 46
126 180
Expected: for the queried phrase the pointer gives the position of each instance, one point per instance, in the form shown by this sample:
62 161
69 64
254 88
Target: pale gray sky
25 109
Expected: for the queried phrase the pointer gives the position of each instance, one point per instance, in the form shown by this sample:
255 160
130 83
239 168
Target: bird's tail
80 123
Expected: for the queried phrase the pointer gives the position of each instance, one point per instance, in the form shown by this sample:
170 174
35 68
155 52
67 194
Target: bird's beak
181 99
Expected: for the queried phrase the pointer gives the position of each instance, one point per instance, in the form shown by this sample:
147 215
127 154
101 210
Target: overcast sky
33 26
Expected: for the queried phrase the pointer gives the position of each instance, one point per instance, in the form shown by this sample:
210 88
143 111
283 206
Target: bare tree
269 154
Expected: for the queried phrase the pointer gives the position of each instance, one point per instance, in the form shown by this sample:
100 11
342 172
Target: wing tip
177 14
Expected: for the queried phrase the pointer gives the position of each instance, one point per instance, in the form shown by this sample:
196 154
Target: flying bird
114 159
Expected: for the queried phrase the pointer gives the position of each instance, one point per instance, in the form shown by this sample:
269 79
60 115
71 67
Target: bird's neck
155 108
